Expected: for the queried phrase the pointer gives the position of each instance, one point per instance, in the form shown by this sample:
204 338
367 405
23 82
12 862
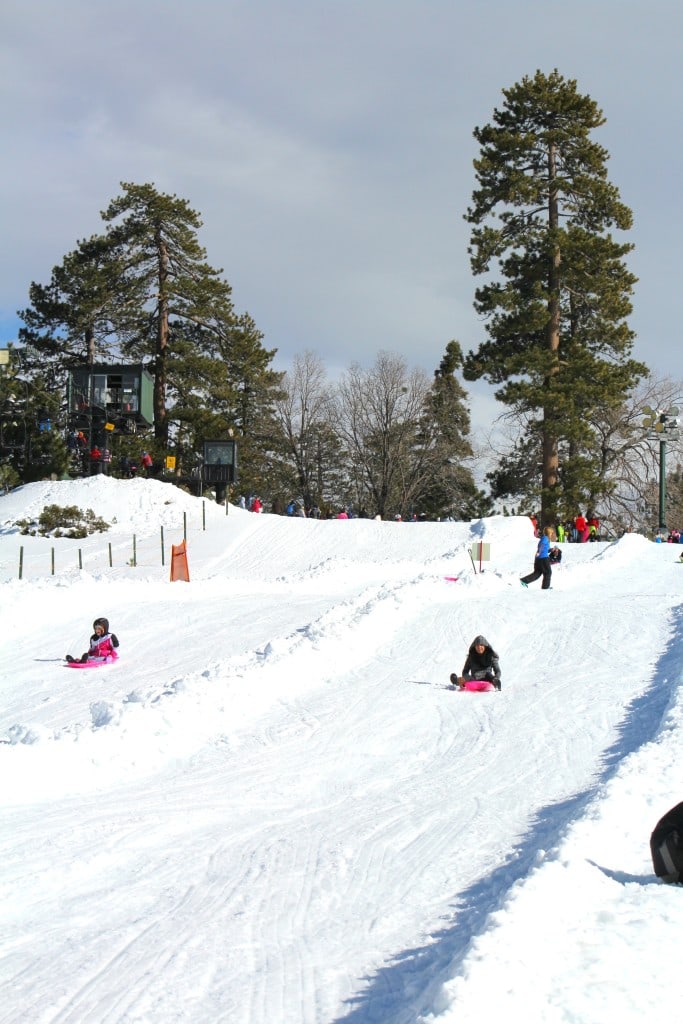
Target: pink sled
94 662
478 685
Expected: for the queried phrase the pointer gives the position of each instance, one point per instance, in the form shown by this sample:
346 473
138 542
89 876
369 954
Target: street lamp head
661 421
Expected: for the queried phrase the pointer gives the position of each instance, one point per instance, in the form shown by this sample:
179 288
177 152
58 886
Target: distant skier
102 643
481 663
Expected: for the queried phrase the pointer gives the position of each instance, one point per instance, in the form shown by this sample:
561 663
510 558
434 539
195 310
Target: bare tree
625 455
630 454
378 418
307 441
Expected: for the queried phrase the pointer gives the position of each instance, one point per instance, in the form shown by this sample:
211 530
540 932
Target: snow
273 808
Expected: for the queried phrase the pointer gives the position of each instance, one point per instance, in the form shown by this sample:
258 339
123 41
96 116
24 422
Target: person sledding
103 644
481 665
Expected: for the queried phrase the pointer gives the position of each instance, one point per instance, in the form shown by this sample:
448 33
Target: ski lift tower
120 395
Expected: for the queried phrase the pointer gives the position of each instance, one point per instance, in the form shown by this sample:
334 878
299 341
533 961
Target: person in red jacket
103 644
593 524
581 528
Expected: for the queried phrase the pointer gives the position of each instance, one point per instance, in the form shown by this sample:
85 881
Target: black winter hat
101 622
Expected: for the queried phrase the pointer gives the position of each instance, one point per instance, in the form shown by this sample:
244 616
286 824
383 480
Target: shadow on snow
409 985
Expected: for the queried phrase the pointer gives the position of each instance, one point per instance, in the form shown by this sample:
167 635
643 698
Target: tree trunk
550 457
160 416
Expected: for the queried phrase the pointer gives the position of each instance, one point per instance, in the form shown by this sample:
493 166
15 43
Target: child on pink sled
103 644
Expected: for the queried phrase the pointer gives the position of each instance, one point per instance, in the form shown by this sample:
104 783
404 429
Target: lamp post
662 424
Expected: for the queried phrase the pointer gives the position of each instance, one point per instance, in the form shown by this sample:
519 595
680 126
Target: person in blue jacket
541 562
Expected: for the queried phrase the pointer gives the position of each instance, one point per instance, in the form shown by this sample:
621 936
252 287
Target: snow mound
127 504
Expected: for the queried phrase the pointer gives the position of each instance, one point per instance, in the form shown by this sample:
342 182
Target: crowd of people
253 503
573 531
95 459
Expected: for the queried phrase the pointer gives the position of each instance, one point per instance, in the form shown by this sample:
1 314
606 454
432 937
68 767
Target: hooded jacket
480 666
102 646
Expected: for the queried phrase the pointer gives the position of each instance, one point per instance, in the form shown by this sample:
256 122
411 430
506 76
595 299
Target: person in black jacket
481 663
666 846
555 556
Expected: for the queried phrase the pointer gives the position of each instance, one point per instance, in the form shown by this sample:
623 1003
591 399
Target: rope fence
52 557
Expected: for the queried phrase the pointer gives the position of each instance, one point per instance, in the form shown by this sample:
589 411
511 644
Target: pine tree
556 317
30 439
168 282
70 320
449 487
220 384
143 291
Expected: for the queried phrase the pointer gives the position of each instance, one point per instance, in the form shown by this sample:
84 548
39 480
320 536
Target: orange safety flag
179 566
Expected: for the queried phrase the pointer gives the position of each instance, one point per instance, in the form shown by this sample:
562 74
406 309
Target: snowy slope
274 809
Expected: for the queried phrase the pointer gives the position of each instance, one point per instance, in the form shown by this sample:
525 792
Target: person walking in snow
102 643
481 663
541 562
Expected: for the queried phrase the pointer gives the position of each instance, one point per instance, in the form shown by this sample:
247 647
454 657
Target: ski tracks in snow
316 810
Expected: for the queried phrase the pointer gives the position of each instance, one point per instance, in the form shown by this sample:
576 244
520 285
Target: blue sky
327 147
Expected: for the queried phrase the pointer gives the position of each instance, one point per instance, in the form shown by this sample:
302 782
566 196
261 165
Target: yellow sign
109 426
170 462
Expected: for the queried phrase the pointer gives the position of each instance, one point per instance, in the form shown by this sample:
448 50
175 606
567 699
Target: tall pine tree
143 291
168 282
558 291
